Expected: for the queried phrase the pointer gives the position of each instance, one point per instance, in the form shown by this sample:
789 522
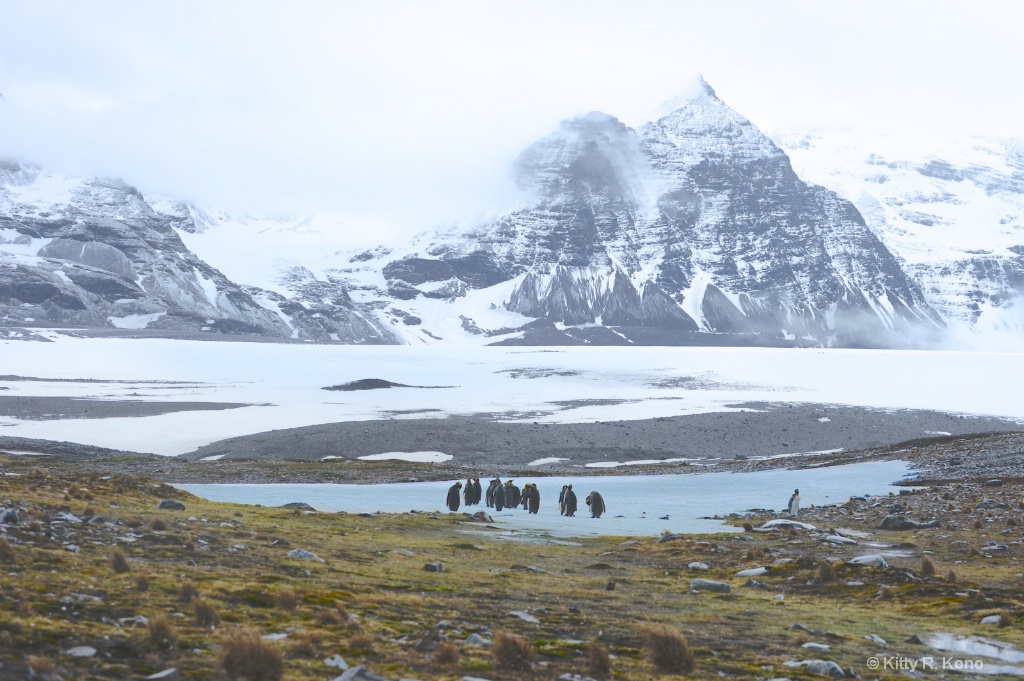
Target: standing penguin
476 491
499 497
524 499
561 499
534 499
570 502
512 494
467 493
453 497
495 483
794 503
596 503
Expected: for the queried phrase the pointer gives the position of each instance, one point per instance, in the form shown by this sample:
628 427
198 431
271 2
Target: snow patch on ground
215 457
417 457
135 321
547 460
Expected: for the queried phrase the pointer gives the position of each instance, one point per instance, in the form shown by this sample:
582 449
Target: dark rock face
102 256
695 222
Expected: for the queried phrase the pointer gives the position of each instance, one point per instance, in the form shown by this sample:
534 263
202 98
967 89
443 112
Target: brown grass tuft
119 562
670 651
511 651
161 631
361 644
158 525
142 583
826 573
205 614
599 662
307 645
286 600
187 591
951 576
246 656
886 593
42 666
1011 522
747 527
7 553
328 618
927 567
973 553
978 524
447 654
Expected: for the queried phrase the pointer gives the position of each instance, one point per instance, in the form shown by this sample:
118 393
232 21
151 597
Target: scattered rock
171 505
698 566
525 616
992 483
166 675
482 517
402 552
301 505
992 619
869 559
838 539
899 522
433 567
752 572
821 667
671 536
477 640
336 661
10 517
915 639
303 554
568 676
709 585
816 646
359 673
81 651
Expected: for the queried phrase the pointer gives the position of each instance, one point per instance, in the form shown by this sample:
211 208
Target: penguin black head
796 491
458 484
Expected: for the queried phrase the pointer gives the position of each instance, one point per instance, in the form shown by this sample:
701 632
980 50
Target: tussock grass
512 652
669 651
158 524
927 567
307 646
187 591
142 582
286 600
599 662
204 614
7 552
361 644
247 657
119 562
447 654
826 573
161 632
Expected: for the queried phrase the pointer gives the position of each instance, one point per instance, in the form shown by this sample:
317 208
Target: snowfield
283 383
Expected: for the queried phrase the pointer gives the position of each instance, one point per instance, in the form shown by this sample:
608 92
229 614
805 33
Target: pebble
992 619
752 572
81 651
698 566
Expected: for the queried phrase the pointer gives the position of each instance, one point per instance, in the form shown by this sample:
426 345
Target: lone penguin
596 503
570 502
453 497
794 503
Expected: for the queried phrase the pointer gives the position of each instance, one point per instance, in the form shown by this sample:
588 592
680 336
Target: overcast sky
413 111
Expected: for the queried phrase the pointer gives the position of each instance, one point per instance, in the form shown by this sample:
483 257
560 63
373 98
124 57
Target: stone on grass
709 585
10 517
301 505
81 651
785 522
838 539
671 536
822 667
433 567
166 675
816 646
525 616
752 572
303 554
171 505
869 559
992 619
698 566
477 640
568 676
336 661
359 673
402 552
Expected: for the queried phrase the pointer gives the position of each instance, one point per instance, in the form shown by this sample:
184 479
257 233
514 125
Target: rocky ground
100 582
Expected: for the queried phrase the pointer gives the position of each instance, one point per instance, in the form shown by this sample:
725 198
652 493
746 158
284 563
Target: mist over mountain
693 229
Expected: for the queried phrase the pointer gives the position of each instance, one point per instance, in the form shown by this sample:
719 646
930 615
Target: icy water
637 504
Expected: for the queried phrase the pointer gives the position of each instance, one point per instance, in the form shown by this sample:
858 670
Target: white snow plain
637 504
284 384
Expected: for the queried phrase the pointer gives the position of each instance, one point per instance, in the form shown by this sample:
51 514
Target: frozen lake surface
283 384
636 503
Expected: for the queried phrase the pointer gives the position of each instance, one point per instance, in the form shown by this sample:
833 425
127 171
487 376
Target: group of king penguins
500 496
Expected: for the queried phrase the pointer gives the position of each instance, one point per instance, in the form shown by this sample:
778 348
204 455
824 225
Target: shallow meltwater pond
637 504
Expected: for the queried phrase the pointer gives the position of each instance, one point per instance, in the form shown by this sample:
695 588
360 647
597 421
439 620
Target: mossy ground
376 605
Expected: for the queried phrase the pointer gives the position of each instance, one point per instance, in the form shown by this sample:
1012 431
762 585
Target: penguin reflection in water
794 503
596 503
453 497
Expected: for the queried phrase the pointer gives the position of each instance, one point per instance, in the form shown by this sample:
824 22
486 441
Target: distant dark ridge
377 384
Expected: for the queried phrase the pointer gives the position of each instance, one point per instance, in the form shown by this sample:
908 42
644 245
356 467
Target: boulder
869 559
433 567
301 505
709 585
899 522
303 554
171 505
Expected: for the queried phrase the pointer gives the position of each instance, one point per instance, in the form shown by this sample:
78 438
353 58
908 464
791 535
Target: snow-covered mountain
691 229
952 213
95 253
